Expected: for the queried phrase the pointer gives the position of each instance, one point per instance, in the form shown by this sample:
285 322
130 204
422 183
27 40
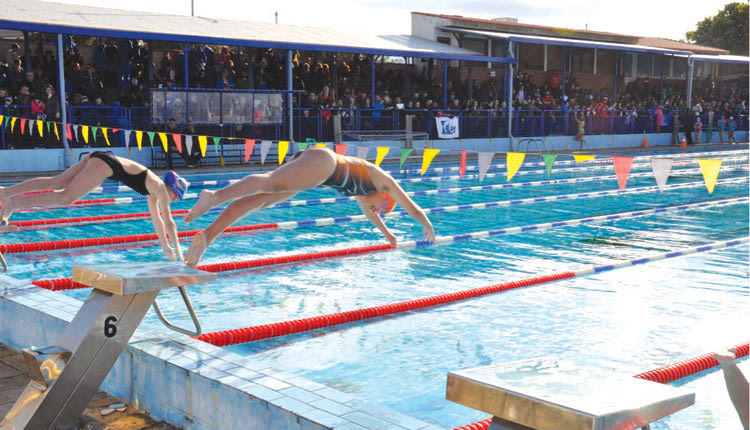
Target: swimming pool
629 320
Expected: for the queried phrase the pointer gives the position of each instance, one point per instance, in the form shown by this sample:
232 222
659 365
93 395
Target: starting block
547 395
65 376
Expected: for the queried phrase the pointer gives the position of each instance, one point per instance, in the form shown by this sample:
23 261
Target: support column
509 97
250 77
407 72
26 52
289 95
61 94
661 79
185 63
689 89
372 81
617 75
445 84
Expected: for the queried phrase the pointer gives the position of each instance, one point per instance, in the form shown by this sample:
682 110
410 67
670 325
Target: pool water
628 320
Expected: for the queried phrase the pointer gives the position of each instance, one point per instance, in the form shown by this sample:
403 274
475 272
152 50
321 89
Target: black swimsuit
135 181
350 177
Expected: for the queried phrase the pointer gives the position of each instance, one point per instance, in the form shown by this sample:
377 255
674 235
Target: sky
667 18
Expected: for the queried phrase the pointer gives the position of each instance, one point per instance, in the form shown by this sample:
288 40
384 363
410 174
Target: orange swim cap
388 205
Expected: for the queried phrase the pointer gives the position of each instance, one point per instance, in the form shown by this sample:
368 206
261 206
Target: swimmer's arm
158 223
384 182
375 219
169 224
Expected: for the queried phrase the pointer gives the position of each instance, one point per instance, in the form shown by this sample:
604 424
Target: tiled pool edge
192 384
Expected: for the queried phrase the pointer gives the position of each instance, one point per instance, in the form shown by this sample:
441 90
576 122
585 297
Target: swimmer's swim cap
388 205
177 183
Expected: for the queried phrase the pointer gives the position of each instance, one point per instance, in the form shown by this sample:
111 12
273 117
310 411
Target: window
444 39
644 65
531 56
583 60
679 68
605 62
627 65
555 56
477 45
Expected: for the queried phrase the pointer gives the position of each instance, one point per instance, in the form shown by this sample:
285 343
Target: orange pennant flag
249 146
340 149
622 169
177 141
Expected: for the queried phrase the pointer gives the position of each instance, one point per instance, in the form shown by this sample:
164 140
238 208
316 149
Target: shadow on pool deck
14 377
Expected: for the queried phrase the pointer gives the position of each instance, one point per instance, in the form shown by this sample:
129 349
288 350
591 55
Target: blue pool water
628 320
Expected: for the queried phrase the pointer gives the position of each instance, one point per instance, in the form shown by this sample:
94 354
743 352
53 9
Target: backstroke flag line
622 169
710 169
484 159
549 161
362 151
283 149
265 145
382 152
249 145
429 154
514 163
661 166
462 167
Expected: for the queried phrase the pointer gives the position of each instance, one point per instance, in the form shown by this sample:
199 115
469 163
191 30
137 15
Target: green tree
727 30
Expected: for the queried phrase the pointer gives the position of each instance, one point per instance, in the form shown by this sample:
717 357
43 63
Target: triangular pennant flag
484 159
549 161
68 132
515 159
202 143
462 166
283 149
580 158
40 128
249 145
622 169
93 133
75 132
1 119
302 145
163 138
362 151
322 145
115 130
189 144
104 133
126 134
216 143
265 145
31 127
710 169
57 133
150 135
12 124
139 138
405 152
85 132
23 125
661 166
48 126
429 154
177 141
7 119
340 149
382 152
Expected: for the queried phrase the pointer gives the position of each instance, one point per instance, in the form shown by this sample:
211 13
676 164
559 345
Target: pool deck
14 377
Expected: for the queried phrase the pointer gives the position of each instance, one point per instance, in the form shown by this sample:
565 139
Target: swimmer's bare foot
202 206
196 250
6 211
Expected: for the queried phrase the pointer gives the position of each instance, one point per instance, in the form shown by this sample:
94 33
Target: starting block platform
550 395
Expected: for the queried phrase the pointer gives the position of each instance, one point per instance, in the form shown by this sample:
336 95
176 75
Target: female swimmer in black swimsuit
375 191
83 177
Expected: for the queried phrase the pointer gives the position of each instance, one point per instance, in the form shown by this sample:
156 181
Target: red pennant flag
622 169
23 125
462 167
69 133
249 145
177 141
115 130
341 149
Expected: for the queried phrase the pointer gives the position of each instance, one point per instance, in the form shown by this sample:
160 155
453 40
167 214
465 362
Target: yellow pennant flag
429 154
515 159
57 133
139 138
163 138
710 169
39 125
322 145
12 123
283 149
382 152
104 132
85 131
580 158
203 142
2 117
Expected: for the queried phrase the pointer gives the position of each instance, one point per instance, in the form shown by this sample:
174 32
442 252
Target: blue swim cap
177 183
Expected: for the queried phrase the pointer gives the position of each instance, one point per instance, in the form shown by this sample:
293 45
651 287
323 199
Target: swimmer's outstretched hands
726 358
429 234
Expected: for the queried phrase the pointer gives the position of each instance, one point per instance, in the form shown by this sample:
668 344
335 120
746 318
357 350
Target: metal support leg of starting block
66 376
6 229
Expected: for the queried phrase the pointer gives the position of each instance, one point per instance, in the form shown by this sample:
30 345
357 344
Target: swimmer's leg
57 182
231 214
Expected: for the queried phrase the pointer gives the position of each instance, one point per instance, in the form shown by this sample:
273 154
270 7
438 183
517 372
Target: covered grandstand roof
50 17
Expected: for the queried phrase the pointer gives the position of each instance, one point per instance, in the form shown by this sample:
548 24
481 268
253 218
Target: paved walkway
14 377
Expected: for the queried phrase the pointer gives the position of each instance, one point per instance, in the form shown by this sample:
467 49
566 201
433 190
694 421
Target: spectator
50 99
91 83
697 126
38 107
659 118
721 124
24 99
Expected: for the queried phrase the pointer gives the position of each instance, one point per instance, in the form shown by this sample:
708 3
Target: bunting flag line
177 141
265 146
429 154
189 144
549 161
362 151
150 135
484 159
31 127
382 152
322 145
126 134
249 145
69 133
515 159
216 144
93 133
48 126
283 149
622 169
75 132
163 138
12 124
202 144
661 166
139 138
710 169
340 148
2 117
85 132
405 152
462 166
301 146
104 133
580 158
23 125
57 133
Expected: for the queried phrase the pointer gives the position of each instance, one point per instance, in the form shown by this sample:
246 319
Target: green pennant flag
549 160
216 144
93 132
302 145
7 120
151 137
405 152
309 140
47 126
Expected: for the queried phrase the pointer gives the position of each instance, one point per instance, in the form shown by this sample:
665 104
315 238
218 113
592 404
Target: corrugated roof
659 42
34 15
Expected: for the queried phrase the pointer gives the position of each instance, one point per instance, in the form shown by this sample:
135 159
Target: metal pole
372 82
192 8
26 52
617 75
61 86
691 63
509 97
661 79
469 83
185 62
445 84
564 68
407 71
289 88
